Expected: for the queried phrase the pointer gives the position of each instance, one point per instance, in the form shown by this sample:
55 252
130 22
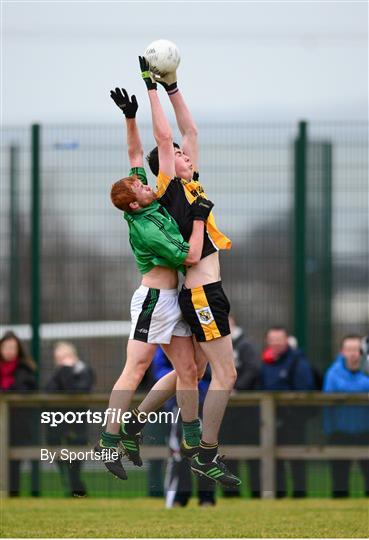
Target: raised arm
135 150
185 122
129 108
161 128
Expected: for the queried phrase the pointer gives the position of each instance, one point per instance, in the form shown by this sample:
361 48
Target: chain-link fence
88 272
253 174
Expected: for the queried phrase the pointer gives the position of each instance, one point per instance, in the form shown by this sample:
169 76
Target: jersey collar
153 207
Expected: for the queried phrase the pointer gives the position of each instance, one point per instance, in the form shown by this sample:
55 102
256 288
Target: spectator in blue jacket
347 424
287 369
178 481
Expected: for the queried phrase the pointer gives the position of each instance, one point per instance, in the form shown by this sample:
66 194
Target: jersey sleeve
140 172
162 183
166 244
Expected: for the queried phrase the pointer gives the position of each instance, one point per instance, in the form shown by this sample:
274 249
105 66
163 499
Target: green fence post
327 251
299 248
14 236
35 246
35 277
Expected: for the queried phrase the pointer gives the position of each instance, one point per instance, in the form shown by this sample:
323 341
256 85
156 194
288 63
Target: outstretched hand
146 73
168 81
121 99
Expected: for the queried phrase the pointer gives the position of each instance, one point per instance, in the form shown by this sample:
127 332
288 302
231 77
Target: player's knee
142 366
225 375
187 373
232 377
136 369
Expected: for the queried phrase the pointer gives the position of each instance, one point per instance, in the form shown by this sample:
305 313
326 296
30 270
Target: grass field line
144 518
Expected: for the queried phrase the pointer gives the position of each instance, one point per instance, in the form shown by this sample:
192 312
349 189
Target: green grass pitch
143 517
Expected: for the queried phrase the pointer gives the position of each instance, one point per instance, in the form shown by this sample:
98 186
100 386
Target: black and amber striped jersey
177 195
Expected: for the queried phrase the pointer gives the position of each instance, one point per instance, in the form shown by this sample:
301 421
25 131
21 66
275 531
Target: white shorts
156 316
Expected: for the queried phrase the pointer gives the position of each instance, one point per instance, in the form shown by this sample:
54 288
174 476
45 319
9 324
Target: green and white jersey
154 235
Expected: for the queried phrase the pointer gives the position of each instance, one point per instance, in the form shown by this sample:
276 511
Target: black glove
146 74
121 99
201 208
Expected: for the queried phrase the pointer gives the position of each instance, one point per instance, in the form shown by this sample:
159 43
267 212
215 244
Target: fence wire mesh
88 272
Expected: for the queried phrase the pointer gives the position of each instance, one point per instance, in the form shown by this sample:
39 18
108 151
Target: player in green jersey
160 251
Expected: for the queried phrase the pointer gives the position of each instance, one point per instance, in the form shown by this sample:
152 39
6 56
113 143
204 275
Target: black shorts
206 310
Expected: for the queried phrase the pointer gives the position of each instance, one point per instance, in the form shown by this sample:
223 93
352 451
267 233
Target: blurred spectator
178 481
347 424
18 374
287 369
246 359
71 375
365 355
241 424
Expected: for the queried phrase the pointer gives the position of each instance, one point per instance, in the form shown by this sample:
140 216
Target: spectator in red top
17 370
18 374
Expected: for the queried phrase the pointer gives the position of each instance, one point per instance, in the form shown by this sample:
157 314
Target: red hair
121 193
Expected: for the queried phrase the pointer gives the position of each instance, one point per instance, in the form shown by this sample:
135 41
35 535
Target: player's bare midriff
160 277
204 272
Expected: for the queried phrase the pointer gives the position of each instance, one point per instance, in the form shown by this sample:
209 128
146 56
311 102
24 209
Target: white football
163 56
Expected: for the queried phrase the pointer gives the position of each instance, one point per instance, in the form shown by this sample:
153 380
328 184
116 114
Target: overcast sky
250 60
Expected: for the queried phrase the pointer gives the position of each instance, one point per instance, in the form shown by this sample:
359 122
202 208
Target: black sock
207 451
134 425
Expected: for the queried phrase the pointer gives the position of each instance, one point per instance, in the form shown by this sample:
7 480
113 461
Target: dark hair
277 328
22 356
350 336
152 159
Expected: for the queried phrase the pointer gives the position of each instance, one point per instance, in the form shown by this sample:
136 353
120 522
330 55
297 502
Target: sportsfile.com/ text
55 418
